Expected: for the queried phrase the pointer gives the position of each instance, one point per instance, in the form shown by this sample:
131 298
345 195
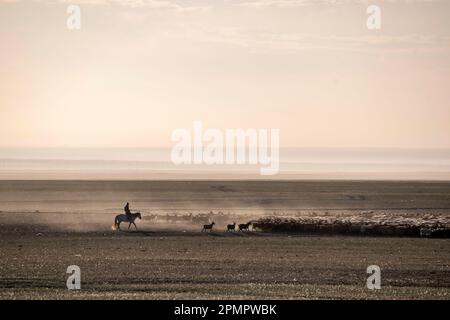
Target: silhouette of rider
127 210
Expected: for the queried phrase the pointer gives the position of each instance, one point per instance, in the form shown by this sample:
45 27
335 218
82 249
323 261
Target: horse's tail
115 225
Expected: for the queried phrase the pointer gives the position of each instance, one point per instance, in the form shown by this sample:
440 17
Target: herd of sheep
364 223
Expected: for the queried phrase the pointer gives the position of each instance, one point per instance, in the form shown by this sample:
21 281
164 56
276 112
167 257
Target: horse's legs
129 225
118 225
135 225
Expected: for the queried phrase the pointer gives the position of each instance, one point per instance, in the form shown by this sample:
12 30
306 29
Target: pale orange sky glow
137 70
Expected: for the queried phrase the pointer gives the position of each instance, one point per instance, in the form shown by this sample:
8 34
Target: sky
139 69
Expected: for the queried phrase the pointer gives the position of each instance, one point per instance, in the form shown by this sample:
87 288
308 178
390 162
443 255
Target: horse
126 218
231 227
244 226
208 227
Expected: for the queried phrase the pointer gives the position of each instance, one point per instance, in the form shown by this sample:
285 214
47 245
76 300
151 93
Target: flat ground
168 265
47 226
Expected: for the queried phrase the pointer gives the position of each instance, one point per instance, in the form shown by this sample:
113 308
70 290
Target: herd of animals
280 224
198 219
231 227
207 220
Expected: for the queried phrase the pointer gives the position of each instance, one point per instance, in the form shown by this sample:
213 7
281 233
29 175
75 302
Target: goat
244 226
208 227
256 225
231 227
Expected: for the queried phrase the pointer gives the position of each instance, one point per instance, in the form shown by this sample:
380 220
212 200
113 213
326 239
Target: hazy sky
139 69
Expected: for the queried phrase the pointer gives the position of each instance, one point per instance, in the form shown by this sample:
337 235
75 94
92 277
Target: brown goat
208 227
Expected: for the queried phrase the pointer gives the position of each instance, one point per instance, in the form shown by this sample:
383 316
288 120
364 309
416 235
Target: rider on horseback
127 217
127 210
